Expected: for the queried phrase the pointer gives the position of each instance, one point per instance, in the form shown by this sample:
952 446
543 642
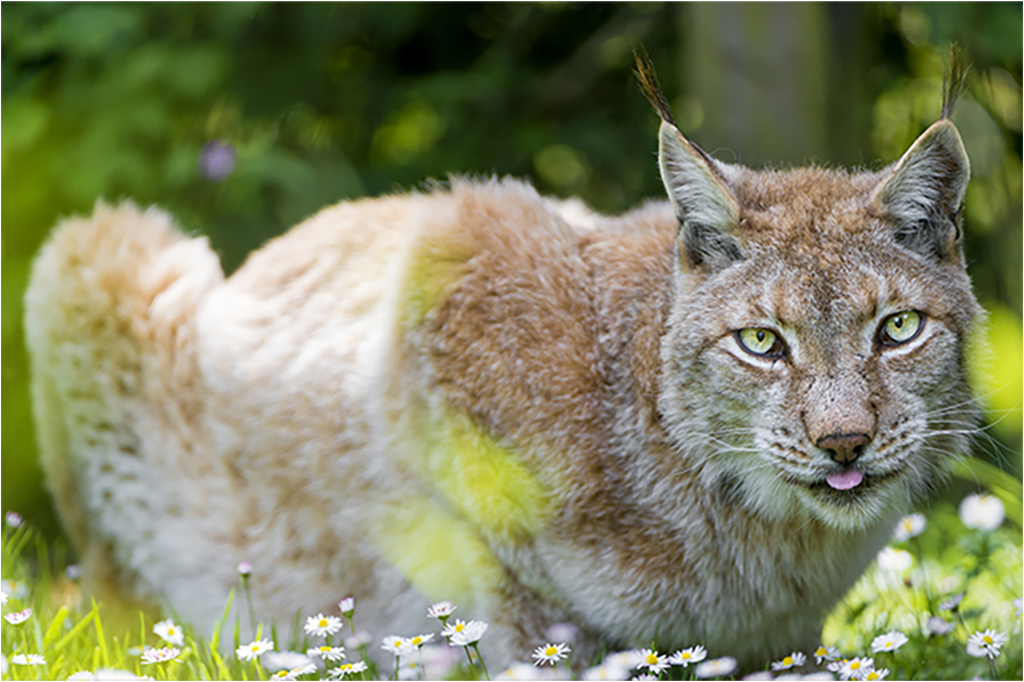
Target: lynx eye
757 341
900 328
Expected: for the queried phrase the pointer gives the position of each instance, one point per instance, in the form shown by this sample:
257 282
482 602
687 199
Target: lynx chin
698 421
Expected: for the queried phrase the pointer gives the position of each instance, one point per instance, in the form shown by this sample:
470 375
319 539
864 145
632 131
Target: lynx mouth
849 486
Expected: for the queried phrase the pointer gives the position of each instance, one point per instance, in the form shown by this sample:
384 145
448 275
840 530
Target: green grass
948 558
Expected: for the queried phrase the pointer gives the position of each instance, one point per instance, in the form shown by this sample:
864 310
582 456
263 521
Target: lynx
696 422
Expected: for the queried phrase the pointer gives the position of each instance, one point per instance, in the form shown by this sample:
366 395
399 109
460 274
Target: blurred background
242 119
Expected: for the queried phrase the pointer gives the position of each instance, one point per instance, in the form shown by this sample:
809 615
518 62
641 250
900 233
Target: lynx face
815 360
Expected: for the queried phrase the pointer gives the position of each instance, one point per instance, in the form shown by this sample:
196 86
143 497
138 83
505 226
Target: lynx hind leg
109 312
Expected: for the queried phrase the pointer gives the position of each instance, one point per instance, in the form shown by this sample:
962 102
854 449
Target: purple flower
217 160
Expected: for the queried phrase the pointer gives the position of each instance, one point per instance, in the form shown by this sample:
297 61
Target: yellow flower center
686 656
987 639
855 666
417 640
550 651
821 651
325 649
460 627
346 666
872 676
397 644
788 660
323 622
888 644
282 673
651 659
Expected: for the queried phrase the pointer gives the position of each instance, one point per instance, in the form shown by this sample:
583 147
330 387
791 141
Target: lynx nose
845 447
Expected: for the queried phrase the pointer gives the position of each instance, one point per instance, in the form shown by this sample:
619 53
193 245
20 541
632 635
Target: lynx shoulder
540 413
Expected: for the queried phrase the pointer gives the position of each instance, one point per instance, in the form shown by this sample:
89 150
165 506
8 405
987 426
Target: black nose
845 447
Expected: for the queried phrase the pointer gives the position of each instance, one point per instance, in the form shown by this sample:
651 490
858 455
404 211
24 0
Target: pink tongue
845 480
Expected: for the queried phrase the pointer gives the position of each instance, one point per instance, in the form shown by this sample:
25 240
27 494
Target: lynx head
814 360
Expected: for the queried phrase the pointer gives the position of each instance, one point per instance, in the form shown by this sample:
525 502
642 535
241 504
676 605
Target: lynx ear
924 193
707 210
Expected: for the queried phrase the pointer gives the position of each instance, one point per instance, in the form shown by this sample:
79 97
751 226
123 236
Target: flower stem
566 664
469 657
248 599
482 664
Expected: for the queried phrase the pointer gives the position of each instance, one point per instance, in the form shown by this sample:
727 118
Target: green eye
901 327
760 341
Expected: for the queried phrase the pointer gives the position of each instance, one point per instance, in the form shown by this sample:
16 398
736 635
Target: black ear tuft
954 82
650 86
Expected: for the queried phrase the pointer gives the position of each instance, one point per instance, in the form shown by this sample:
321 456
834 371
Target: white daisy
441 610
249 651
285 660
685 657
18 617
13 519
952 603
794 660
986 643
520 671
470 633
909 527
3 598
169 632
321 625
419 640
606 671
82 676
716 667
890 641
895 560
348 669
347 606
411 670
28 659
160 655
825 653
244 569
644 678
399 646
327 653
358 639
982 512
15 588
875 674
654 662
550 653
937 625
294 673
853 668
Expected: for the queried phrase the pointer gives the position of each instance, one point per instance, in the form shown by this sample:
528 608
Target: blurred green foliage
322 102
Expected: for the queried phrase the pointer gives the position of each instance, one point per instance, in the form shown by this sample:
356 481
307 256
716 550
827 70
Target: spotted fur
538 412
